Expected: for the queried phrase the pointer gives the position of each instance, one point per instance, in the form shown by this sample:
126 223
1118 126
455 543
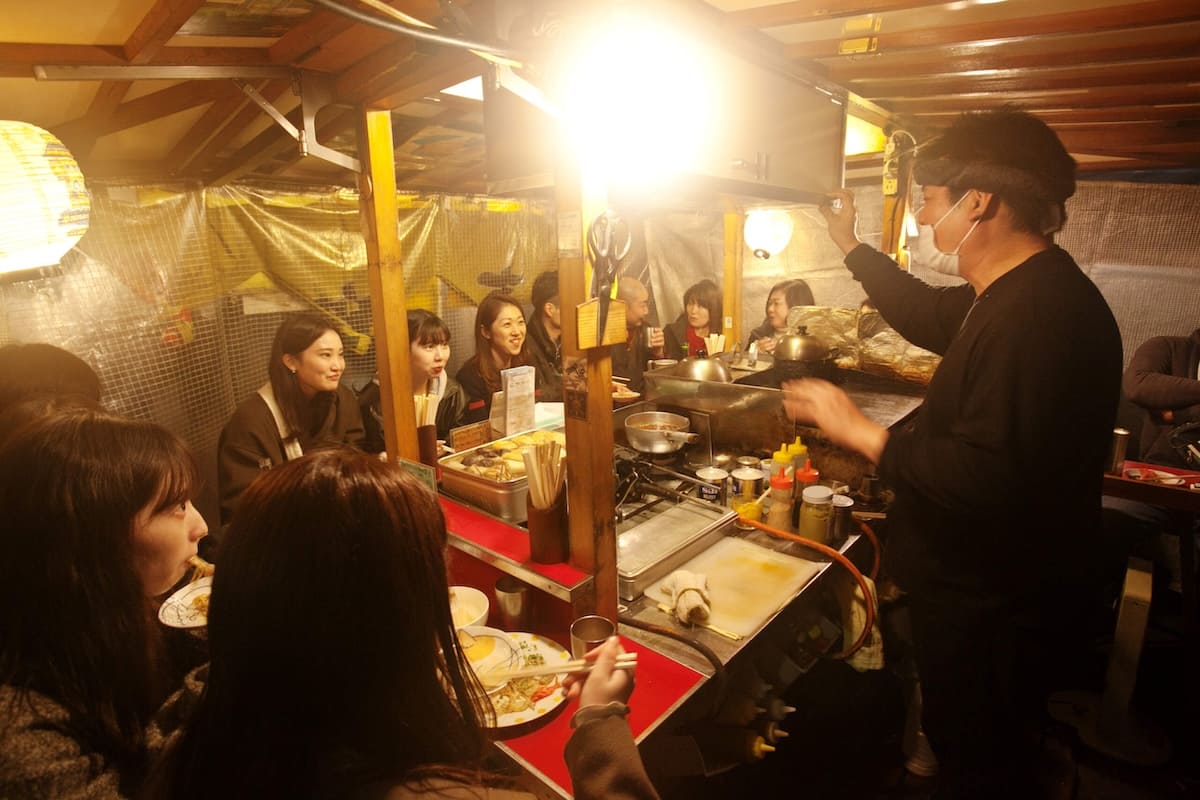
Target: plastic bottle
781 461
815 511
799 454
805 477
771 731
738 710
779 515
777 709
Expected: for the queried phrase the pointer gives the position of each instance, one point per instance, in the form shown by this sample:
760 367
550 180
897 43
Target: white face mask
926 252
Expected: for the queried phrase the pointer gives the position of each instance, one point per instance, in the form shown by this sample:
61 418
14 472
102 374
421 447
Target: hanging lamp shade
44 204
767 231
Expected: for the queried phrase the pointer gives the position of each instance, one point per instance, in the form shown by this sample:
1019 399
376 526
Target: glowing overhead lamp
44 205
767 231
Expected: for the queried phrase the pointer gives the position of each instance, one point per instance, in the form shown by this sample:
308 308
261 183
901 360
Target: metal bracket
316 92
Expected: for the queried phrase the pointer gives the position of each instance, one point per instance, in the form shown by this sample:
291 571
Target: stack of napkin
689 594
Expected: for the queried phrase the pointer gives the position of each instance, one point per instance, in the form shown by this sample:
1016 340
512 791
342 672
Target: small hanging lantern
767 231
44 204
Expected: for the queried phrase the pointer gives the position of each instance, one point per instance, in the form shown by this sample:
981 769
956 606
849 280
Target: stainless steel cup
512 604
588 633
1116 463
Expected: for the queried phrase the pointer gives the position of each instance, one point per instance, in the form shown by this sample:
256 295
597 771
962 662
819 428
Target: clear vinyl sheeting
174 293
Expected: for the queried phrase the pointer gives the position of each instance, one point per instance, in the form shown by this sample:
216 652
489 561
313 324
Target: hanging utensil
609 241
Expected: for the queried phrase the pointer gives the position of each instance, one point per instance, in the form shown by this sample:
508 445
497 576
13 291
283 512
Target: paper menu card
512 408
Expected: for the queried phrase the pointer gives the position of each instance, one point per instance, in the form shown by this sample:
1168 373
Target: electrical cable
417 33
868 595
720 677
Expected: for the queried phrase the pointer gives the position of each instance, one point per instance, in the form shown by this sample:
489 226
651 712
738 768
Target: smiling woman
302 407
499 344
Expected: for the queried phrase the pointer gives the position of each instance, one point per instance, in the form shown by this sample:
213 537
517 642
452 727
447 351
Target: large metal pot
802 355
658 432
704 369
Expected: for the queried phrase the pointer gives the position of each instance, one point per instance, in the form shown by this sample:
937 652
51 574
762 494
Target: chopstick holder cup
548 538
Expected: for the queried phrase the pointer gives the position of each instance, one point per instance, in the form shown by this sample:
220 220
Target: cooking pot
802 355
658 432
704 369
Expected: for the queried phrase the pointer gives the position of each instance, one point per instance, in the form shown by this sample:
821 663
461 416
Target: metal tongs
609 241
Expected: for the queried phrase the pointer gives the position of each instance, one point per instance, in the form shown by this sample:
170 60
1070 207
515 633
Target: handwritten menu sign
468 436
518 386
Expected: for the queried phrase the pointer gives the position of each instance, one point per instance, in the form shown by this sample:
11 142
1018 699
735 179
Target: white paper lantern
767 231
44 204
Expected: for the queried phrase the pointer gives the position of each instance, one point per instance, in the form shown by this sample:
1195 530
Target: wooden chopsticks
576 666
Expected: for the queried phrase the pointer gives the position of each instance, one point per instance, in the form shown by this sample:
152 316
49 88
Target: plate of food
1156 475
523 700
623 394
188 607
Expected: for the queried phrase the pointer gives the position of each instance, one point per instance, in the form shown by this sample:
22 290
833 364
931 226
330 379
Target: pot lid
800 346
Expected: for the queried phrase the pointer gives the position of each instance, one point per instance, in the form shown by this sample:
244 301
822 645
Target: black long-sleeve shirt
998 483
1162 376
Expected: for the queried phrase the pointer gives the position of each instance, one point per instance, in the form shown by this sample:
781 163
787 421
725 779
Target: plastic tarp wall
175 292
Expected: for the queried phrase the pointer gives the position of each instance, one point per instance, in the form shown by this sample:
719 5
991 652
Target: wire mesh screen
174 294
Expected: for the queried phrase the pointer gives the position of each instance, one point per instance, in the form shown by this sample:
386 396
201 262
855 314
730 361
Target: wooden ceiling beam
249 112
223 110
1105 138
105 102
1150 42
1087 76
378 72
272 142
800 11
1178 92
18 60
138 111
1158 12
428 76
161 22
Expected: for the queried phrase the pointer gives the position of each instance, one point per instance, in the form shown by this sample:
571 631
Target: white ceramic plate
549 694
487 649
181 610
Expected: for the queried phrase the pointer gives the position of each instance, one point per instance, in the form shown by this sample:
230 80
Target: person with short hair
98 526
629 358
702 315
545 337
500 336
37 369
781 298
303 406
429 352
336 668
997 571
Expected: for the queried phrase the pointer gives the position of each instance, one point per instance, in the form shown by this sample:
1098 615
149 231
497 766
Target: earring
293 372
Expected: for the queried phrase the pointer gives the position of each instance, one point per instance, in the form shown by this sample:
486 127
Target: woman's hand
766 344
605 683
824 405
842 217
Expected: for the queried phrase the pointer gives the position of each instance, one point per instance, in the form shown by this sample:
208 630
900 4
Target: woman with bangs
780 300
429 352
98 527
336 669
702 311
499 344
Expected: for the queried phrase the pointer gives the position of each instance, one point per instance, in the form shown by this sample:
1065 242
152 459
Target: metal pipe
416 33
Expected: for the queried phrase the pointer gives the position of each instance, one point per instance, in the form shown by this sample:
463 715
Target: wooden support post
588 404
897 181
731 292
385 276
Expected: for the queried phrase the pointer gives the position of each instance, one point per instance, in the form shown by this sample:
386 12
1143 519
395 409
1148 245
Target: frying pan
658 432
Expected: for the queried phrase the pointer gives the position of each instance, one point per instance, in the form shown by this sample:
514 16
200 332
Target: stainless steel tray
505 499
654 547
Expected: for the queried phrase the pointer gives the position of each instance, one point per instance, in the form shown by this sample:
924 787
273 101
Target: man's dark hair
1009 153
545 290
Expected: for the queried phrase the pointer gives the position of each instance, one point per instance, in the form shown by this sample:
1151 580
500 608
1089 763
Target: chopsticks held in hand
579 665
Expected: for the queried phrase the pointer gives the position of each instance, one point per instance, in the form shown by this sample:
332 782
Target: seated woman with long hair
500 337
98 525
781 298
336 669
701 316
303 406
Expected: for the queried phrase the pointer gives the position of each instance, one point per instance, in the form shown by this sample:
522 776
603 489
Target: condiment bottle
779 515
781 461
814 513
807 476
